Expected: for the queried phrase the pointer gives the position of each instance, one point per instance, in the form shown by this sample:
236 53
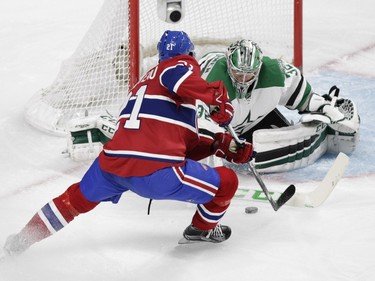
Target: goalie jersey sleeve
158 126
298 90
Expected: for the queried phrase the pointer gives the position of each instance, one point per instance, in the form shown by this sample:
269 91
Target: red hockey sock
56 214
209 214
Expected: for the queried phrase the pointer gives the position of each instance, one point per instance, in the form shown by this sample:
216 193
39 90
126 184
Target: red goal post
121 44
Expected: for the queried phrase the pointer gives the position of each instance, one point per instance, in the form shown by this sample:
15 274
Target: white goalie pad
107 125
80 124
300 145
86 150
87 135
341 142
289 148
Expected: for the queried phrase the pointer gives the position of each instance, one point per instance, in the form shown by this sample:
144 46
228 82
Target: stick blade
285 196
330 180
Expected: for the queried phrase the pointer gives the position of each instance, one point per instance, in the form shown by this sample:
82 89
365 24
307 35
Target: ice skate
15 245
216 235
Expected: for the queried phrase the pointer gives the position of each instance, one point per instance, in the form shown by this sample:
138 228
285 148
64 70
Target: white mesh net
95 78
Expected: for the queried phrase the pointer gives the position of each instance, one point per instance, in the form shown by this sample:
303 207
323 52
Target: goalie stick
283 198
311 199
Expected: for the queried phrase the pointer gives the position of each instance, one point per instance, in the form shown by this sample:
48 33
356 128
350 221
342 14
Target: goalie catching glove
221 109
339 113
226 147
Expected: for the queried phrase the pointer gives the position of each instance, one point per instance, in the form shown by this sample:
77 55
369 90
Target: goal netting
95 79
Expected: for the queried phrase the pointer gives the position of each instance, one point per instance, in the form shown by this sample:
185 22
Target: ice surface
334 242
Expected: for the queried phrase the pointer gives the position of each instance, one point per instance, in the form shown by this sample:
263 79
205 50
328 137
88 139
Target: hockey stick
311 199
283 198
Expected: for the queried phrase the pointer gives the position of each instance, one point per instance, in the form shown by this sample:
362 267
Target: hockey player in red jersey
154 152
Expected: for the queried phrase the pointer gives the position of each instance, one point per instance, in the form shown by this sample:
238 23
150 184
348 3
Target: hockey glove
227 148
221 108
341 114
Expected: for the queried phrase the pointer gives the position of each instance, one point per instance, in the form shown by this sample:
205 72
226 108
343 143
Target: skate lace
216 232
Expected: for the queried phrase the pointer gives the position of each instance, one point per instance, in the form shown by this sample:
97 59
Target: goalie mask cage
121 44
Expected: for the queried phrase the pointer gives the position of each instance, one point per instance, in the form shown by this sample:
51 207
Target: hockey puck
251 210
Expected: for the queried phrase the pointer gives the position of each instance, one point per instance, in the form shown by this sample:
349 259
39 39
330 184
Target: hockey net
96 78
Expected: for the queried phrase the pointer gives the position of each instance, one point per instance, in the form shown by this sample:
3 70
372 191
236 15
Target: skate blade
184 241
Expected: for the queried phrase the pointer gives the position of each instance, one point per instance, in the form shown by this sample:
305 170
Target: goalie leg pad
289 148
341 142
84 145
87 136
107 126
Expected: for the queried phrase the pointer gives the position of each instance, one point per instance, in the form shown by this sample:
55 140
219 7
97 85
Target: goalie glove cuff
317 103
328 115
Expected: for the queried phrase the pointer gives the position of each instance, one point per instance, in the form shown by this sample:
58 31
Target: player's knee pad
72 202
228 186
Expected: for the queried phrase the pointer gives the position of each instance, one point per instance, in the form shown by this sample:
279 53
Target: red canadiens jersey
158 124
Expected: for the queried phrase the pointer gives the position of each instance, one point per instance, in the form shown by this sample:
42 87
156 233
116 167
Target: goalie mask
174 43
244 60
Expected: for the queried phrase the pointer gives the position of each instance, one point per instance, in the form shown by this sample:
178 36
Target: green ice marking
244 191
259 195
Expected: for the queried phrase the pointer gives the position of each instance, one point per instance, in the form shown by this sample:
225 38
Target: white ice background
335 242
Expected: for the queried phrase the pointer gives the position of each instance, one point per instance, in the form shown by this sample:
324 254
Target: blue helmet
174 43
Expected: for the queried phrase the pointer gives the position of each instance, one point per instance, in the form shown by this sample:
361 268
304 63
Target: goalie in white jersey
257 85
